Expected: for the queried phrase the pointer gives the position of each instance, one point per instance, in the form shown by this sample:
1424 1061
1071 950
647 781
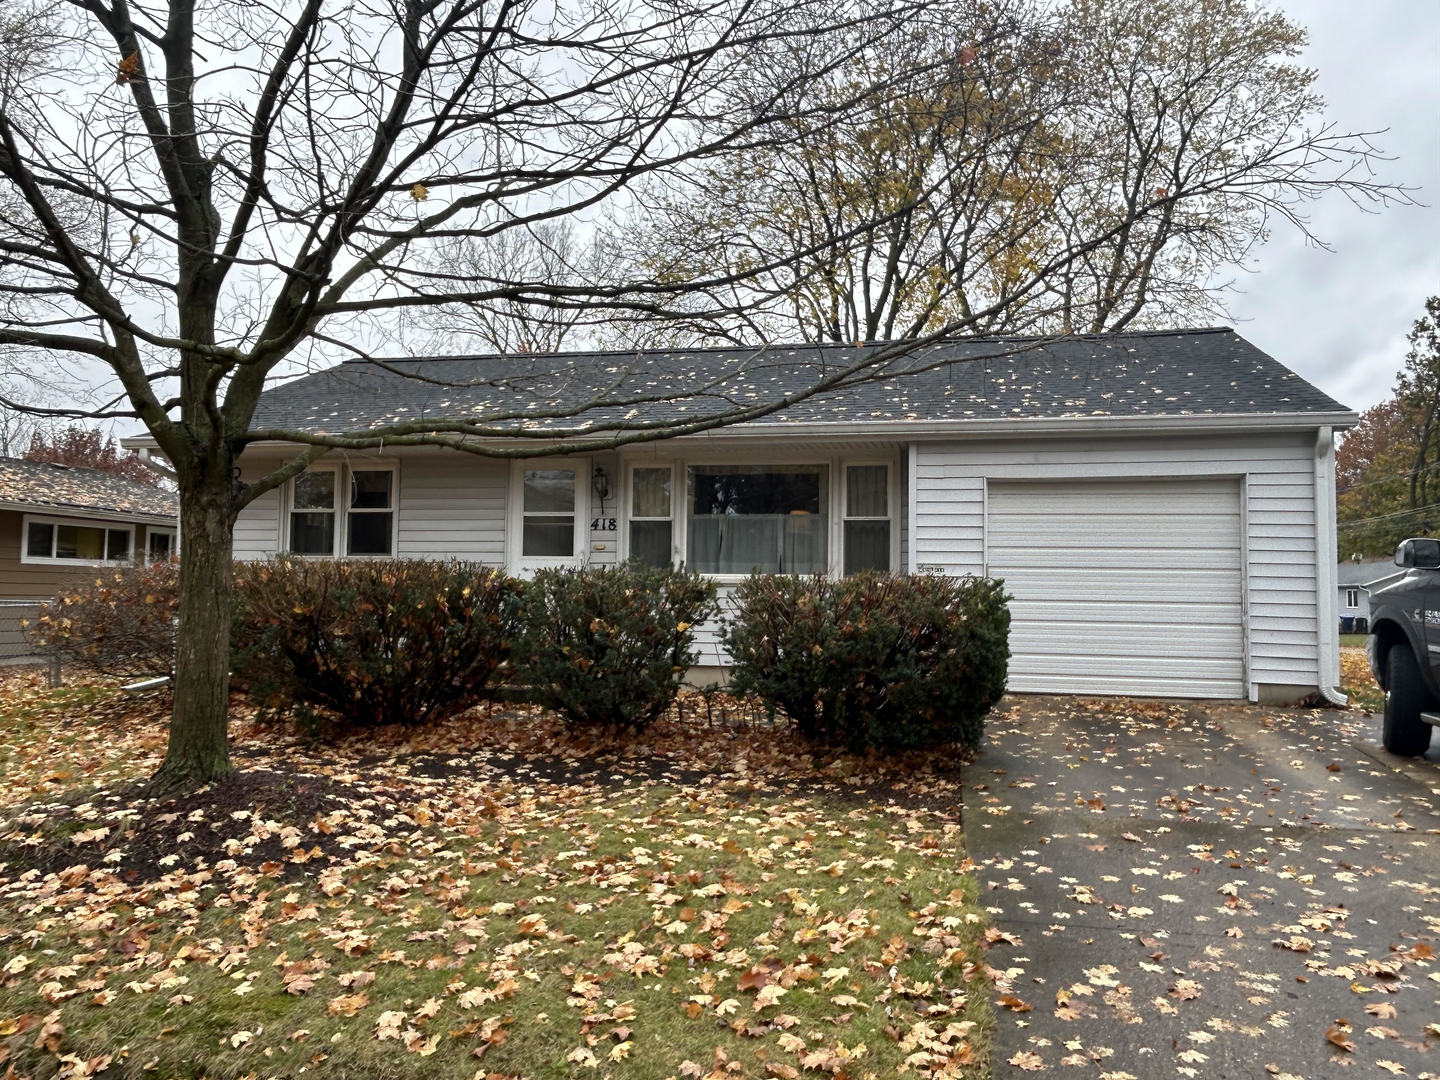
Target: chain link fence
16 647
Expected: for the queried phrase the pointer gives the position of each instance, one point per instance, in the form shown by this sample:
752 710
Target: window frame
892 508
161 530
106 527
836 464
340 542
351 468
288 512
627 503
515 516
1352 597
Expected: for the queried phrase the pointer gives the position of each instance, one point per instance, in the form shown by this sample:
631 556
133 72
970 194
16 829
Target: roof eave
94 513
984 428
1045 425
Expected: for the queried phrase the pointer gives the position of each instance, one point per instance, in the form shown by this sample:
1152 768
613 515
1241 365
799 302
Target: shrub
121 623
609 646
373 642
873 660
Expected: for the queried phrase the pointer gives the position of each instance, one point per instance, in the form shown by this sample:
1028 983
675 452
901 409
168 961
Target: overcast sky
1340 317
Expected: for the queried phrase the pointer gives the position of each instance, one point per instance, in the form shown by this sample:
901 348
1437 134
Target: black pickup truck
1404 648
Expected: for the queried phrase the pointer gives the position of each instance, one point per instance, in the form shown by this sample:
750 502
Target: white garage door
1121 587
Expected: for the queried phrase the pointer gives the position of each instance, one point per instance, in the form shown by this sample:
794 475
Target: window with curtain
370 523
867 518
548 512
312 513
651 515
771 518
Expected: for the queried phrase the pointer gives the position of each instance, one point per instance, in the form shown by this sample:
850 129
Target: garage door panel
1140 613
1139 685
1122 645
1071 497
1139 533
1154 669
1121 586
1100 561
1100 588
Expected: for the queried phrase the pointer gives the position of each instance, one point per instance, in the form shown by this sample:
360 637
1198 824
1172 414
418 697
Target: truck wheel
1403 732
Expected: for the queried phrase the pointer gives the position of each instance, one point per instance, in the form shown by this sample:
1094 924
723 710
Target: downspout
911 517
1325 567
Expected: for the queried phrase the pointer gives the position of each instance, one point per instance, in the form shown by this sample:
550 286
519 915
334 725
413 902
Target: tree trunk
199 748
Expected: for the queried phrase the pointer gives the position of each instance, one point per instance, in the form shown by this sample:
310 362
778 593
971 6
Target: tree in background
1179 133
1372 481
1387 468
90 448
550 251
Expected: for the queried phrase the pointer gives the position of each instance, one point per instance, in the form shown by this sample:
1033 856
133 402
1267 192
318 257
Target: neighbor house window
370 523
867 518
56 540
651 515
160 544
312 513
547 528
770 518
1352 598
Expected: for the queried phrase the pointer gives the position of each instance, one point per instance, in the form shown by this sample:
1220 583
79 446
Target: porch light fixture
600 481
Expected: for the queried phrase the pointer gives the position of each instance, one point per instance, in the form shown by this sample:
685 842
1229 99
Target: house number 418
602 524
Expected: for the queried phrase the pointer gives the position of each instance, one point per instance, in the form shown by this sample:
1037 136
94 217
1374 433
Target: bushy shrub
873 660
121 622
372 642
609 646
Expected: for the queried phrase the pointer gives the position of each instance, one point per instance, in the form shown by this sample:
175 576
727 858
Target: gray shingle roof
1366 573
1153 373
67 487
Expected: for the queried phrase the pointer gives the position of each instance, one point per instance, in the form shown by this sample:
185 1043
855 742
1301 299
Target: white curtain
773 543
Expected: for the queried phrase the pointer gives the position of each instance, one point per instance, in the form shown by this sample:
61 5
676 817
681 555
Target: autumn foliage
90 448
873 660
120 623
609 646
371 642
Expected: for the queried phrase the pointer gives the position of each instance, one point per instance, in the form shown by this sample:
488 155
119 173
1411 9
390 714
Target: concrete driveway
1187 889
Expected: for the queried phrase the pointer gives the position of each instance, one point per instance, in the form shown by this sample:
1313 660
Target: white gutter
1325 568
1039 425
968 428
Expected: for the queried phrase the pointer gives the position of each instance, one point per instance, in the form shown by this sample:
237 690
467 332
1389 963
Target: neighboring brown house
59 522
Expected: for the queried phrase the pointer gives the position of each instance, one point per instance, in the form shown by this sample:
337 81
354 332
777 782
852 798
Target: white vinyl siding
1121 586
1279 517
452 506
257 528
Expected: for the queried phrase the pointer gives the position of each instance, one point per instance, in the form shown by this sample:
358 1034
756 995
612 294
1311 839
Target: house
59 522
1159 504
1354 582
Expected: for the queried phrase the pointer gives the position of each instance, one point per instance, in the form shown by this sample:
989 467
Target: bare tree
554 253
195 193
199 195
1156 141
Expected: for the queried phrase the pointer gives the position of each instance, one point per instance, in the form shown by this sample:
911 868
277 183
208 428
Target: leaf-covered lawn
494 898
1357 683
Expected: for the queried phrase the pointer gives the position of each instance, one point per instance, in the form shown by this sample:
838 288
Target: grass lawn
495 898
1356 681
1353 641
